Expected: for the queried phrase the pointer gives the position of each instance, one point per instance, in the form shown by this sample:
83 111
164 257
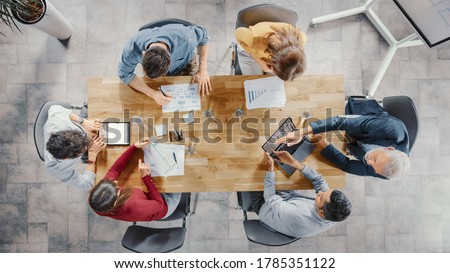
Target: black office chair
403 108
255 231
42 117
160 23
159 240
256 14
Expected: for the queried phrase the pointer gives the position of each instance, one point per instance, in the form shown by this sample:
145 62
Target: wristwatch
80 120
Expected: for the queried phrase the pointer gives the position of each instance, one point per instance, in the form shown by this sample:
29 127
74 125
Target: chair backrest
403 108
153 240
159 240
265 13
160 23
255 231
41 118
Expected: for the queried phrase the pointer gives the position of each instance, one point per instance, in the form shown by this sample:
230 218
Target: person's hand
141 143
98 144
285 157
269 161
291 138
160 98
321 140
266 67
92 127
144 169
204 83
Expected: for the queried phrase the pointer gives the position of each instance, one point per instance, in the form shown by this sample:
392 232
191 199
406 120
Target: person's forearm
203 58
326 125
315 178
298 165
92 162
140 86
119 165
269 185
92 167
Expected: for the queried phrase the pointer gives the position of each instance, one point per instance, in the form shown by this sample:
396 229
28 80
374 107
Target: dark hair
339 207
68 143
287 57
156 62
103 196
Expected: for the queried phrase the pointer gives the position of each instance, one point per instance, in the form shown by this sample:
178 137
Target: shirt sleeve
329 124
274 201
128 63
202 35
269 185
153 192
117 168
316 179
58 117
64 171
244 37
347 165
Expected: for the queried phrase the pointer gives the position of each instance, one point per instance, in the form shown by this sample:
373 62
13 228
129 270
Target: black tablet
286 127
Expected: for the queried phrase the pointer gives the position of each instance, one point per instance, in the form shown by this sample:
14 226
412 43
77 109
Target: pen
162 92
174 157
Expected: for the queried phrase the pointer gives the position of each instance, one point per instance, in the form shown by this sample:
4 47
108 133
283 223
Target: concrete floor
40 214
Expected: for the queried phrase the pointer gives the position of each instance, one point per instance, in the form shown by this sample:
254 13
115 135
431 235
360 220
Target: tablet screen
117 133
286 127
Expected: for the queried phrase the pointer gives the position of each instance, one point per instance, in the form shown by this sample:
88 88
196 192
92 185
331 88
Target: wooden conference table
230 164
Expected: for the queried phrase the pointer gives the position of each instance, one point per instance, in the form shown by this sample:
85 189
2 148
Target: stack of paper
264 93
164 159
185 97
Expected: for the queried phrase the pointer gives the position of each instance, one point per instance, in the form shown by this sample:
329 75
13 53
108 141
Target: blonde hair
288 56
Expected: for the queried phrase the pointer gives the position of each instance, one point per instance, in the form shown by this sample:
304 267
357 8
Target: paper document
264 93
164 159
161 130
185 97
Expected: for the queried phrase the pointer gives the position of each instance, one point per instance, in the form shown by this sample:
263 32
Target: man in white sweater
68 137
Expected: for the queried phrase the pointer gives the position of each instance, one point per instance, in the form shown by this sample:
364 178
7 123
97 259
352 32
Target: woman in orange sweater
269 47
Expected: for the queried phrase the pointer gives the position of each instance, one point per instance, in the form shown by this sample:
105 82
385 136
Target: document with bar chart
264 93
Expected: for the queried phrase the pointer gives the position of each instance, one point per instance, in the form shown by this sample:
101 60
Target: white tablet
117 133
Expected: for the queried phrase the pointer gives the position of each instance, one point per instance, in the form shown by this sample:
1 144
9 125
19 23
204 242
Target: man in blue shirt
294 214
166 50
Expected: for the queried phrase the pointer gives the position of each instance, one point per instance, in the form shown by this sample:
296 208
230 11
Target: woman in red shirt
109 199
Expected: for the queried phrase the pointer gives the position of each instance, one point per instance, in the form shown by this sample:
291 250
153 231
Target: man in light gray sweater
296 215
67 137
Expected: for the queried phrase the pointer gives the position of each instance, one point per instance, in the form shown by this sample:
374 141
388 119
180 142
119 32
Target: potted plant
41 14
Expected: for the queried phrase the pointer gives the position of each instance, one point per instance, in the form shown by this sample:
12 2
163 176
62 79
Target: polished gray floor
39 214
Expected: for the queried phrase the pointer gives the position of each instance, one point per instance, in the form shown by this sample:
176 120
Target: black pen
174 157
162 92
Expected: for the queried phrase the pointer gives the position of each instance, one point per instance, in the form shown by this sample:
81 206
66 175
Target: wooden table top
230 164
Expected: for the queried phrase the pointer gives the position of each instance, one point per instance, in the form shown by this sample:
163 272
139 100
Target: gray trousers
172 200
247 64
